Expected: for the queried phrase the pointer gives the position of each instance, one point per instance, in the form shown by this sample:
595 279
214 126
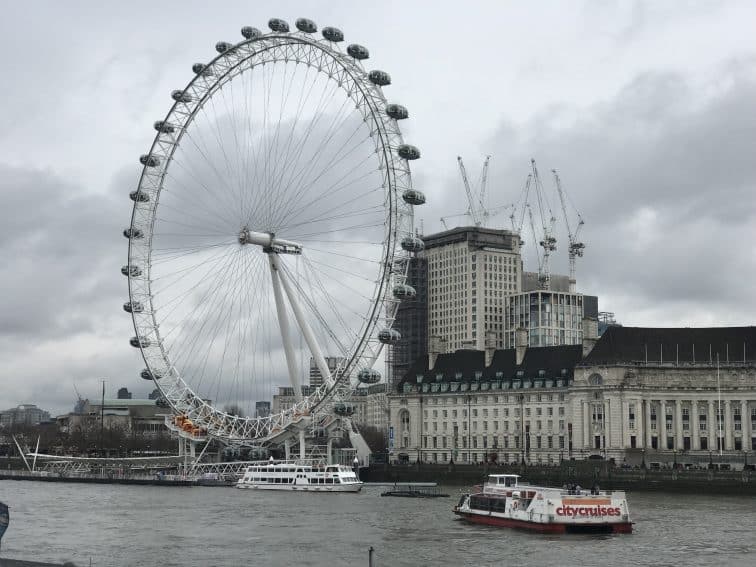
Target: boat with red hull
502 501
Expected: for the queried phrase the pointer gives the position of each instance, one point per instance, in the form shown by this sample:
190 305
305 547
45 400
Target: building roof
476 236
462 365
670 345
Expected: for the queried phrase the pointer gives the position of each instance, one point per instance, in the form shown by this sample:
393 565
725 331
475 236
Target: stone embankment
584 473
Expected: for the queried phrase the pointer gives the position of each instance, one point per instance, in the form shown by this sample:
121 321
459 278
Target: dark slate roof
641 344
552 360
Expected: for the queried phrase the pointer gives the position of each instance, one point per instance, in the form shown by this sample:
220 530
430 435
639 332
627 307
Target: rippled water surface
145 525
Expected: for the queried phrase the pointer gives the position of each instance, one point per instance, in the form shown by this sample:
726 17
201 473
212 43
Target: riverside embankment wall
580 472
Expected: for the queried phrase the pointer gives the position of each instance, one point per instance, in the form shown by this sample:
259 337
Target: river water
113 525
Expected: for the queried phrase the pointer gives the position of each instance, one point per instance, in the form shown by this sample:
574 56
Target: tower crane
476 208
575 247
548 242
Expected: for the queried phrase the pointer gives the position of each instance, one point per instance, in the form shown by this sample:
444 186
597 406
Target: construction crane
576 247
548 242
476 208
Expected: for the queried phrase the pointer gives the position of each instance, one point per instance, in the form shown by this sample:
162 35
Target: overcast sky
646 109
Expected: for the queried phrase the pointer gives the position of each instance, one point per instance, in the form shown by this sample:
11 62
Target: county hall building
651 396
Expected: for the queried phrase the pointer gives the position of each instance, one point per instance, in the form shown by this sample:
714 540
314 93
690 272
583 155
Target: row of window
475 412
475 442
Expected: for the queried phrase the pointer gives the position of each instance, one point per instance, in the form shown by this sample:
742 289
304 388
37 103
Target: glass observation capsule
181 96
202 69
397 111
134 233
278 25
380 78
413 197
409 152
343 409
165 127
404 291
139 342
222 46
305 25
139 196
333 34
389 336
133 307
412 244
131 271
358 51
369 376
147 375
149 160
250 33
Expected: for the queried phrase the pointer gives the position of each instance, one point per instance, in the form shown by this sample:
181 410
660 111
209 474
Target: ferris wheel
270 232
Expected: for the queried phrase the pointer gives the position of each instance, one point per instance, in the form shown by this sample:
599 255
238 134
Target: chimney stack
436 346
590 335
521 344
490 347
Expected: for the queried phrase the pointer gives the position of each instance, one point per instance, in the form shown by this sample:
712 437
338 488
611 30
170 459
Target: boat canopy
507 480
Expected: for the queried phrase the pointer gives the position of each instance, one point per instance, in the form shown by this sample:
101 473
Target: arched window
595 380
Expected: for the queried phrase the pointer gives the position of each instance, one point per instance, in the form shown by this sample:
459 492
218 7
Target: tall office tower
412 322
470 272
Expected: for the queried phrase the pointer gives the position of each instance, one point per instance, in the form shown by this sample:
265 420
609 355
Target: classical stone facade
652 397
472 406
685 396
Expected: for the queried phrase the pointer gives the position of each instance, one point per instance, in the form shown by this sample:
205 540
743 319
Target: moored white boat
503 501
293 475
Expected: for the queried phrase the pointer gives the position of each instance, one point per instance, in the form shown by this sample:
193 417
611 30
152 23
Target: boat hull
550 528
303 487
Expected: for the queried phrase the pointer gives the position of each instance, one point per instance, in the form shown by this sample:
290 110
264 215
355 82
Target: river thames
114 525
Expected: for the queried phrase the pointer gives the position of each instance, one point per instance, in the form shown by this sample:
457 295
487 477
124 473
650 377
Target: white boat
503 501
291 475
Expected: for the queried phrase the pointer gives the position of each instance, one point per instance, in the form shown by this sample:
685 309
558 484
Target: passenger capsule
164 127
333 34
149 160
202 69
305 25
250 33
181 96
222 46
358 51
133 233
131 271
278 25
389 336
139 342
343 409
397 111
139 196
369 376
133 307
380 78
408 152
412 244
404 291
147 375
413 197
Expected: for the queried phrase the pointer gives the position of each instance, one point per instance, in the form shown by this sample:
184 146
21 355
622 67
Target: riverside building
668 397
640 396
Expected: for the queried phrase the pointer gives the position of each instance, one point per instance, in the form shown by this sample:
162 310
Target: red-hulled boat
503 501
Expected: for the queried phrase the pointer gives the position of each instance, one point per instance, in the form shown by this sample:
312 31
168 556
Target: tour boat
503 501
291 475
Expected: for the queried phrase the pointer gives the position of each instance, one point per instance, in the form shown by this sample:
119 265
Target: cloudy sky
646 109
